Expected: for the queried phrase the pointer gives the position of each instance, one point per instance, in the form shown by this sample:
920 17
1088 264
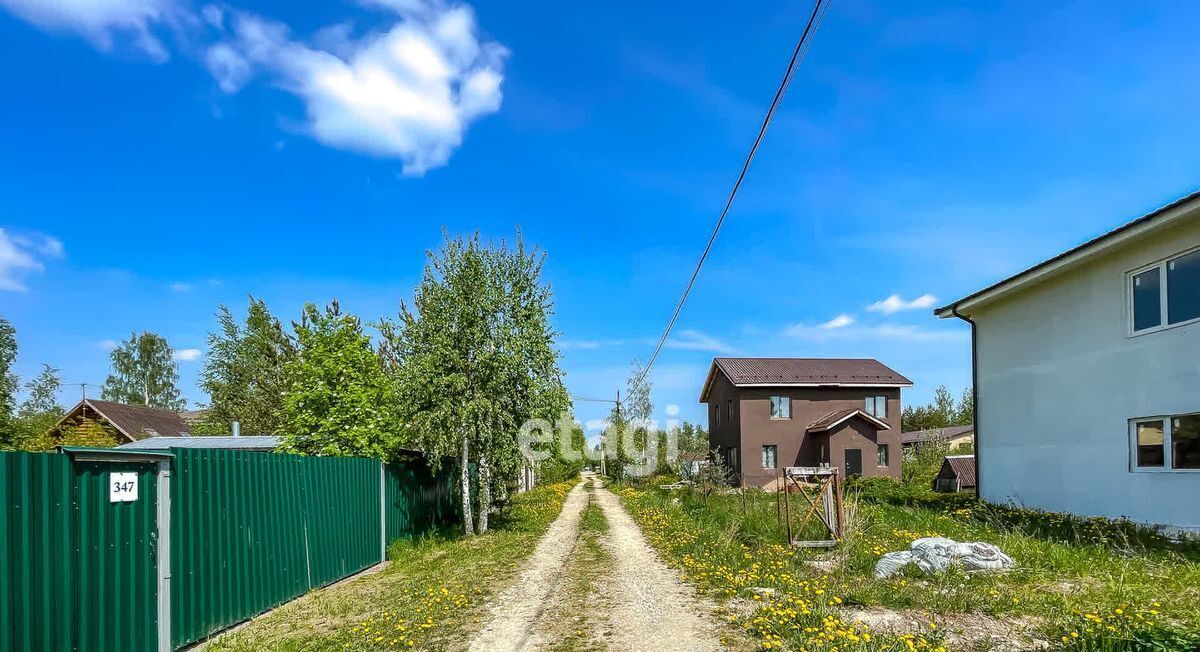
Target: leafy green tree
244 372
40 411
965 412
627 437
8 383
143 373
338 401
943 406
942 413
692 439
474 359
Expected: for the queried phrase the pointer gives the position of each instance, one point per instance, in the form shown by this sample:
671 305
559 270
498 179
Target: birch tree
474 359
143 373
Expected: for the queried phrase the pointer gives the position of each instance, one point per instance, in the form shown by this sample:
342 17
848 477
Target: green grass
428 598
1128 591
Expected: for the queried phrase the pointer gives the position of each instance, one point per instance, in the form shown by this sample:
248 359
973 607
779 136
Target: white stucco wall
1060 378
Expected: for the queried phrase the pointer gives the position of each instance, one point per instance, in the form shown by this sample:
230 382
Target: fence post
163 518
382 512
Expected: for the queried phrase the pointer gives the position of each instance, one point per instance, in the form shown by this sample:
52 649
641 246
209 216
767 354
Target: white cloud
107 345
841 321
408 93
863 332
180 287
103 21
694 340
185 355
23 255
895 303
586 345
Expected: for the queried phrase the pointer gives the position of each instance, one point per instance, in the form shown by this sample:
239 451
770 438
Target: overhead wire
802 45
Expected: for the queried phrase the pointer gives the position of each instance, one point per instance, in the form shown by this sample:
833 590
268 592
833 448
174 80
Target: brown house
765 414
131 422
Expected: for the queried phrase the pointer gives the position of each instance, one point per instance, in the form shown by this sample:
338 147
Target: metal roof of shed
248 442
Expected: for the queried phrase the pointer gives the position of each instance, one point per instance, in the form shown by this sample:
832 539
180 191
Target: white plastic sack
938 554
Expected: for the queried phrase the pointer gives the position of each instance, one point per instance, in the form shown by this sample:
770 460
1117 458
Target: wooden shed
957 474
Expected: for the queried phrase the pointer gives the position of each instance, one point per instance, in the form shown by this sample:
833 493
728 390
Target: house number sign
122 487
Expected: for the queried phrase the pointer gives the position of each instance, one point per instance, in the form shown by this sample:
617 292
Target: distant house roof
949 432
804 372
834 419
193 417
1143 225
961 467
247 443
134 421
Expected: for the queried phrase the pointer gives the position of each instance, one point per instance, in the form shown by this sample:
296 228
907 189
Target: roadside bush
921 462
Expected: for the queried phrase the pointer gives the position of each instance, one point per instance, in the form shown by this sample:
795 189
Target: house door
853 461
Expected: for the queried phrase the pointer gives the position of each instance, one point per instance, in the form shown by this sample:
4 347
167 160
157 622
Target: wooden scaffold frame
824 502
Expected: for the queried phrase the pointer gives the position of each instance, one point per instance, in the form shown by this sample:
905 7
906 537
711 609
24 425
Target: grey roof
249 443
949 432
861 372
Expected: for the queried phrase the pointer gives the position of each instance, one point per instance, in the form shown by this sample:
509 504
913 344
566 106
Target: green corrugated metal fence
246 533
237 538
36 552
78 572
344 536
419 500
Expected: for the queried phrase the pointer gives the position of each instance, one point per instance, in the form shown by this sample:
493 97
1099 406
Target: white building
1087 372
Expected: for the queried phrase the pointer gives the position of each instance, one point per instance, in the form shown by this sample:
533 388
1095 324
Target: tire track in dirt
518 608
651 608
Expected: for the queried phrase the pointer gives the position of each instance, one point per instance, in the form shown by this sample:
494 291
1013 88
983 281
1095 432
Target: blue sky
160 158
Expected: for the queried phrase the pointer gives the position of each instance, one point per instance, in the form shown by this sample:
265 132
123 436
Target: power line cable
592 400
814 20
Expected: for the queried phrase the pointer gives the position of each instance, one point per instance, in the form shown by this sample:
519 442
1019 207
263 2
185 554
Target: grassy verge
429 597
571 628
1078 596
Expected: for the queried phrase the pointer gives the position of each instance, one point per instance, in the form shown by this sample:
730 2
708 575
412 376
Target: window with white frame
781 407
1170 443
883 455
877 406
1166 293
769 454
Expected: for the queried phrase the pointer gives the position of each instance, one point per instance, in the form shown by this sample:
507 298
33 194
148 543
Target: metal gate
80 552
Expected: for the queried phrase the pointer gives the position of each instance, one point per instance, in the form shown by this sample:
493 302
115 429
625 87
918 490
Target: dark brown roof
866 372
949 432
133 421
963 468
834 418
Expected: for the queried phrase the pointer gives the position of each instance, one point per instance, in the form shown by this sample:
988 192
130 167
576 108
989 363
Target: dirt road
634 601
